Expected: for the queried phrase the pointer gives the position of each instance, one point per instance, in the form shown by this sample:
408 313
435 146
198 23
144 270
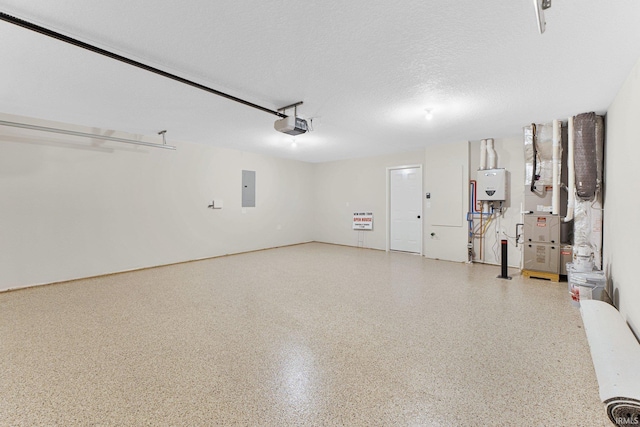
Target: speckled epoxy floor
312 334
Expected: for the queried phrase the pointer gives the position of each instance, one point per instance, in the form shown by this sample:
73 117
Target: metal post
504 260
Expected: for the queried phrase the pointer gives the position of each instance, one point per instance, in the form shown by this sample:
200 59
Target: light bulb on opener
428 114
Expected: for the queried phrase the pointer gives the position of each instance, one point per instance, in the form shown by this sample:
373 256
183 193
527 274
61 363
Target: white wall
446 178
621 248
348 186
73 208
358 185
511 157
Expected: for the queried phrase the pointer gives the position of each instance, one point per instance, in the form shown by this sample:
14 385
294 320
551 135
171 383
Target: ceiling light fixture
428 114
541 6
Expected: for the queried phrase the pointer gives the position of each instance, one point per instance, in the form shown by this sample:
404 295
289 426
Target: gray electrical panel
248 189
542 246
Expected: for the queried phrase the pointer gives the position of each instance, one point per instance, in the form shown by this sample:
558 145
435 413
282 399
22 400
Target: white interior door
405 206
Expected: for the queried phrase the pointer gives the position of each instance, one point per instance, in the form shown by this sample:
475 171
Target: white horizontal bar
84 134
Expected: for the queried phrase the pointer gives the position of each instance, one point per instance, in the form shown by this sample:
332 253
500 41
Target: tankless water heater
492 185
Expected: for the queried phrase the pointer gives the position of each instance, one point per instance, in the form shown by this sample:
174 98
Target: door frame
388 205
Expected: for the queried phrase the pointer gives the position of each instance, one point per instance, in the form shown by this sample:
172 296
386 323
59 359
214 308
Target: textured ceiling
366 70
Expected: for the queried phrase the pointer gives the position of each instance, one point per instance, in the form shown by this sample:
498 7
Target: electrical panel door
248 189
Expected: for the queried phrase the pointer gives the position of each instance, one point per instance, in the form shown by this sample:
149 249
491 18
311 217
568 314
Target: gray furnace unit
542 243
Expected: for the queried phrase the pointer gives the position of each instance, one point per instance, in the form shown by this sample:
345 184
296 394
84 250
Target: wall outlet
215 204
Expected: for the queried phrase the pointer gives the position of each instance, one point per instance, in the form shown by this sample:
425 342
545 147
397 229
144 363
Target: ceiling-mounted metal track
291 106
294 106
53 34
89 135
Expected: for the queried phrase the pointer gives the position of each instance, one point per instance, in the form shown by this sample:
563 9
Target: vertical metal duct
588 139
588 162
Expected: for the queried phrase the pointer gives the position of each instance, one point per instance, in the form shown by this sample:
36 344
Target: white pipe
522 212
555 201
490 164
492 158
485 204
571 200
